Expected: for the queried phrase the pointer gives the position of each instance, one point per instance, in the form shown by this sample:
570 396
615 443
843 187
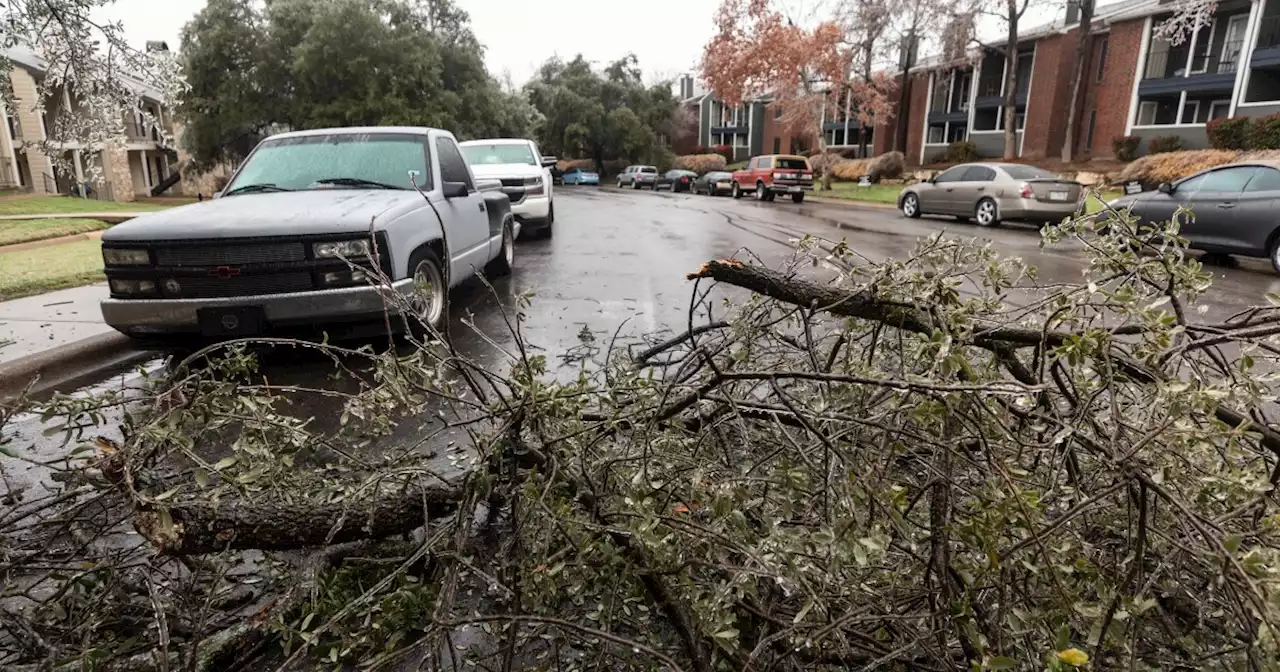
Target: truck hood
285 213
501 170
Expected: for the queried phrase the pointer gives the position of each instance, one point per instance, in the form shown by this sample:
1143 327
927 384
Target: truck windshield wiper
358 182
254 188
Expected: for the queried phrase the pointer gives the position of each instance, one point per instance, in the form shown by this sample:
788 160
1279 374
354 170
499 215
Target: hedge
962 151
1265 133
1230 133
1170 166
1126 147
701 163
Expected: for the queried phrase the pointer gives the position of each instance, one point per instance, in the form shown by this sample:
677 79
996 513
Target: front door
972 187
1214 200
940 199
465 218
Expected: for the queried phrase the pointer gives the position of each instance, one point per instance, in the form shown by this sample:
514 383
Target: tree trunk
194 528
1011 85
902 125
1077 77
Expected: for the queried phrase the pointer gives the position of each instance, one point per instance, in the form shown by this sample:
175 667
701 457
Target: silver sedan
989 193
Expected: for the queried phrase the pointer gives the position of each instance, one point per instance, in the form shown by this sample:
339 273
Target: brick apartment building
1135 83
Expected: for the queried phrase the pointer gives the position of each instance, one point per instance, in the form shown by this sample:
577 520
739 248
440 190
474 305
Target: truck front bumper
154 317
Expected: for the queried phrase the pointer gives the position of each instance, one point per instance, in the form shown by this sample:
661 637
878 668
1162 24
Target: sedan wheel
1275 255
911 205
987 213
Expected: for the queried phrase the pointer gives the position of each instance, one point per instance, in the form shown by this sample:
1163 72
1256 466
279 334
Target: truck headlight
341 248
115 256
533 186
122 287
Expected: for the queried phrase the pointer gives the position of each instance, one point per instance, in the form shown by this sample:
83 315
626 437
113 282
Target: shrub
820 162
851 169
888 166
723 150
701 163
1162 144
1265 133
701 149
1126 147
1170 166
962 151
1230 133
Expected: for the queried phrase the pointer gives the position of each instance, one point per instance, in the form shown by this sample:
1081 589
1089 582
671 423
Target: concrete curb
65 365
49 242
849 202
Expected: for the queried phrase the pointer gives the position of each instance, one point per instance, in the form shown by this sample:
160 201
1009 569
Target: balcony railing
1224 59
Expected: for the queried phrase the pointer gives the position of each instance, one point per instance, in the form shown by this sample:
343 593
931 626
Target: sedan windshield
1019 172
338 160
498 154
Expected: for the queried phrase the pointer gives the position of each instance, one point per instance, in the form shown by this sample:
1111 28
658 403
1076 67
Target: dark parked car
1233 209
637 176
714 183
675 180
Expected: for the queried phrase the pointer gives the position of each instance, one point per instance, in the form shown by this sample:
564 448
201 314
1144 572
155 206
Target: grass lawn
42 205
48 268
27 230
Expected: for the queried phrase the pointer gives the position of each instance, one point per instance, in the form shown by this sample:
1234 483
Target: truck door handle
482 207
1226 206
982 188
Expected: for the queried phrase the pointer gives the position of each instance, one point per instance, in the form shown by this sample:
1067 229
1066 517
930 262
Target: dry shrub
888 166
1260 155
820 162
701 163
1169 166
852 169
580 164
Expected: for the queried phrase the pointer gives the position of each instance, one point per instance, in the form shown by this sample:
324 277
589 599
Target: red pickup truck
768 176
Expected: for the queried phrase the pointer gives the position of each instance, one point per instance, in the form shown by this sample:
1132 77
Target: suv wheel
736 191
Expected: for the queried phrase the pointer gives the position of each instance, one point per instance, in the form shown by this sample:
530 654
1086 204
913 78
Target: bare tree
866 25
1083 45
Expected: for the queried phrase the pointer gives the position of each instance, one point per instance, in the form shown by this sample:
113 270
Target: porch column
79 168
146 171
164 166
10 154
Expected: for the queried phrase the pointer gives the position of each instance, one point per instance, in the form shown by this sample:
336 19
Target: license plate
237 321
1057 195
722 185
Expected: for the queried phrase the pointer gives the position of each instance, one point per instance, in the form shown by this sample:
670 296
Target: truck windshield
302 162
497 154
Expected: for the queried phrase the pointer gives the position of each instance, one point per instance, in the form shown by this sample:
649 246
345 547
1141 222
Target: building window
1219 109
936 135
1147 113
1088 131
777 145
1190 110
1102 59
777 112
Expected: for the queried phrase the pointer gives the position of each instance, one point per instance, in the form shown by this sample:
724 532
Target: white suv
525 174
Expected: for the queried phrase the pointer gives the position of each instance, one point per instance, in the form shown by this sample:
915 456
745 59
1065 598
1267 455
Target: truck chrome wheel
508 246
428 292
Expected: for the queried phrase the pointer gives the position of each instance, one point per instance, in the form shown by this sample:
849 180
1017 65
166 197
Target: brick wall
1047 101
917 109
777 129
1112 96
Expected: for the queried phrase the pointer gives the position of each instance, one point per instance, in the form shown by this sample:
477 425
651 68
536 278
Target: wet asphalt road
617 264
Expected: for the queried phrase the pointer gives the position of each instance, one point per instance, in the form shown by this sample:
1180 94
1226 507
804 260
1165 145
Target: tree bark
1011 84
1077 77
902 127
194 528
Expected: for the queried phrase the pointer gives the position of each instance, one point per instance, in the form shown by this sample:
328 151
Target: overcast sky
519 35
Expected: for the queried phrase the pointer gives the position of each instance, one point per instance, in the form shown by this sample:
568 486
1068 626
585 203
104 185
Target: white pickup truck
295 237
526 177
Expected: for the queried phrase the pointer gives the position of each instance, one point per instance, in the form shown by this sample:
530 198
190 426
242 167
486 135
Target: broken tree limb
194 528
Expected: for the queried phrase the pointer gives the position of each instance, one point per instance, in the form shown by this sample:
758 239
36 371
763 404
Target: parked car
714 183
1233 209
675 180
638 176
580 176
768 176
525 175
296 236
989 193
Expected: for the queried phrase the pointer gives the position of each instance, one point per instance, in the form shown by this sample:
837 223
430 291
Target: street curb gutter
65 365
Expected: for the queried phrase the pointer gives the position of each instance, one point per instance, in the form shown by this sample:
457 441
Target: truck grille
241 285
231 254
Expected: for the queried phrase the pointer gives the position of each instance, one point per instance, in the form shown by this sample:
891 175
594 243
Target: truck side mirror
455 189
549 162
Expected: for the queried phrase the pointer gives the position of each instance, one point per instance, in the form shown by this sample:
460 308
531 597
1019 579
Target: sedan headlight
115 256
341 248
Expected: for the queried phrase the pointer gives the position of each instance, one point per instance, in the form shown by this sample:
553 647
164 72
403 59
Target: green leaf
804 611
1064 638
8 452
727 633
1002 663
224 463
1232 543
202 478
167 494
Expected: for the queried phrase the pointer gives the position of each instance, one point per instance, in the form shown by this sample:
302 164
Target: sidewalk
108 217
60 337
